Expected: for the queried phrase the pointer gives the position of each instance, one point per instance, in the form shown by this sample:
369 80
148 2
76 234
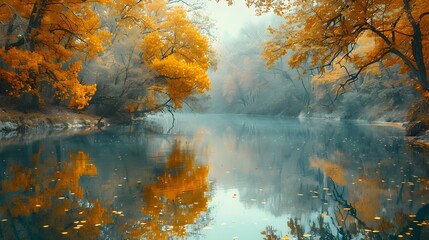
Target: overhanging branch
354 76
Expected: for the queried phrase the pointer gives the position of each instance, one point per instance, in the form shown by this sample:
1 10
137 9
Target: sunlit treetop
178 51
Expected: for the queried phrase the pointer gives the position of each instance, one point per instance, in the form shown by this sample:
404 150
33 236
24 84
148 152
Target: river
217 177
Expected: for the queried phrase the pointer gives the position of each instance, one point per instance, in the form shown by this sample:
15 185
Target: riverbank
17 126
53 121
420 141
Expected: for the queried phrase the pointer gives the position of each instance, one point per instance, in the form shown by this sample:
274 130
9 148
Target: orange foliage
46 41
182 78
177 52
324 32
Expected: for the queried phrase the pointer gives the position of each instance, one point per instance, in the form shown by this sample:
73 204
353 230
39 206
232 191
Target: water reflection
160 193
322 179
42 198
178 199
275 179
371 204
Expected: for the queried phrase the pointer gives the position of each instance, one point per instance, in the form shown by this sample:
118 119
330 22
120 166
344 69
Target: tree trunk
35 21
417 47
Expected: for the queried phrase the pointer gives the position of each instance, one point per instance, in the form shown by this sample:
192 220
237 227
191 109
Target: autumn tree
150 51
326 32
159 56
179 54
46 41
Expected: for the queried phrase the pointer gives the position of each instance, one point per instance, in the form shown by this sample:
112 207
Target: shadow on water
275 179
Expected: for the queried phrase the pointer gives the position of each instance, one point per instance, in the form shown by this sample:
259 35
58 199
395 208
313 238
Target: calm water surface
217 177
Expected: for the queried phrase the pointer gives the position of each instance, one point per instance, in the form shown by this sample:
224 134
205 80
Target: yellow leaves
152 46
23 65
95 43
177 52
271 30
21 59
182 78
68 86
51 51
81 95
176 34
154 7
71 32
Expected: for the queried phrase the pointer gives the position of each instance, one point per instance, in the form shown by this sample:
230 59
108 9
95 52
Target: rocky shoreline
17 126
419 141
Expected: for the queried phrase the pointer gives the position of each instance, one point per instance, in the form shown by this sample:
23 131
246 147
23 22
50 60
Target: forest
124 59
110 56
180 119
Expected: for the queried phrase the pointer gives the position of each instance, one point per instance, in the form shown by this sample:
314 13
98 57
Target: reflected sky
217 177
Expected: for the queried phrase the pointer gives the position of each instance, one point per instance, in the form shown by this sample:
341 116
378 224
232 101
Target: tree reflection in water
326 180
45 198
372 205
176 205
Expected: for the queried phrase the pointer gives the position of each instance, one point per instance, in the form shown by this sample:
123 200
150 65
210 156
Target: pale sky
230 19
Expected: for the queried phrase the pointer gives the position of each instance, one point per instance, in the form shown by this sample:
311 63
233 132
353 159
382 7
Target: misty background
242 83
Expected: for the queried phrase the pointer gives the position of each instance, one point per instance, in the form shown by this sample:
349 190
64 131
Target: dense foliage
157 49
328 33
